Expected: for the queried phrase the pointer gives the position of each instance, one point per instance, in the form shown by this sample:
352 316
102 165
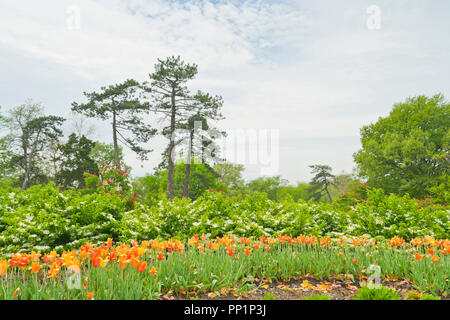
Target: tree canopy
408 151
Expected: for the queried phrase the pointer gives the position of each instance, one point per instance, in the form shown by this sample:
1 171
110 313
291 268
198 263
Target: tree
31 132
105 153
5 152
269 185
321 181
230 175
342 184
206 150
171 97
408 151
81 126
75 160
202 179
296 193
122 103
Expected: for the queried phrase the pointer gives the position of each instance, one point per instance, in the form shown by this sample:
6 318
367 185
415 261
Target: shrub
429 297
269 296
382 293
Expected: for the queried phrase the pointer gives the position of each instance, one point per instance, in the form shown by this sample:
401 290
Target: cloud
313 70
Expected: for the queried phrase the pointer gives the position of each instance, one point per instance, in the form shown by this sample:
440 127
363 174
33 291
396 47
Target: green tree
408 151
230 175
74 161
104 153
321 181
202 178
30 133
171 97
5 152
121 103
205 150
269 185
343 183
295 193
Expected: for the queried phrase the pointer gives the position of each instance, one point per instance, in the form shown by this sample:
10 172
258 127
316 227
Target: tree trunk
27 165
171 164
329 197
116 145
188 167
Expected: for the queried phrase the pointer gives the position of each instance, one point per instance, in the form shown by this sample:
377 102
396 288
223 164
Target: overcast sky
316 71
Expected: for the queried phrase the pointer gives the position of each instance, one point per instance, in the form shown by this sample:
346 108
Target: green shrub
413 295
382 293
429 297
269 296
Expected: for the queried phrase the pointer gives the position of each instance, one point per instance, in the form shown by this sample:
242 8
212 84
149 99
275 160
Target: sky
311 73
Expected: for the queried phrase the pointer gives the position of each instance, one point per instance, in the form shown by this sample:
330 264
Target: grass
212 266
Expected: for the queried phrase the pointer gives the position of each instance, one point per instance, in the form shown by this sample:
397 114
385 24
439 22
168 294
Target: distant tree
408 151
74 161
105 153
269 185
171 98
121 103
30 133
342 184
321 181
230 175
296 193
206 151
81 126
5 152
202 178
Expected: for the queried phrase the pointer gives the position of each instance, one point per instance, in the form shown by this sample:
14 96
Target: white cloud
311 69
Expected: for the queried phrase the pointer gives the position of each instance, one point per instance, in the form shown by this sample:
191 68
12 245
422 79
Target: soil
296 289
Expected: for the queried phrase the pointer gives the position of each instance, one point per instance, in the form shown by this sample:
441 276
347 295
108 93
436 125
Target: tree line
406 152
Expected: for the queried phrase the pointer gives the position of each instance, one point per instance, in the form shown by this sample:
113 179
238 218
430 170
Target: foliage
44 217
222 266
121 102
202 178
429 297
321 181
269 185
112 180
74 160
30 133
171 97
104 153
382 293
408 151
269 296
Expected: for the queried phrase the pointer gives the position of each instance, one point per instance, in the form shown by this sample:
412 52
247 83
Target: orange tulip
3 267
35 267
160 256
95 261
141 265
103 262
133 261
83 254
418 257
435 259
90 295
153 271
